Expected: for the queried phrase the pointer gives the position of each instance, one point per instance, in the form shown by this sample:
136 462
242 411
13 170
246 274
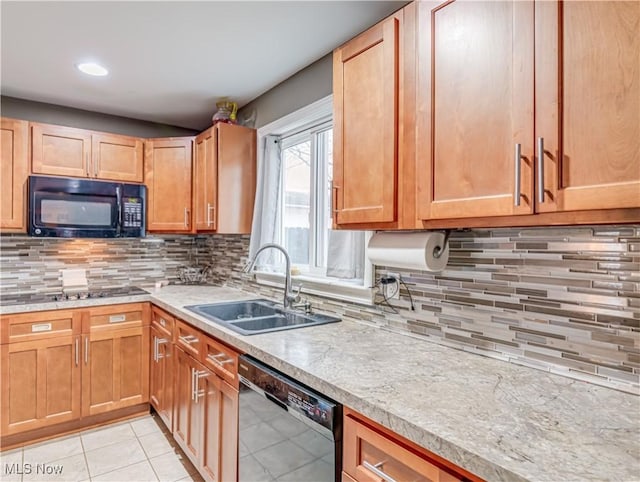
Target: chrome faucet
289 296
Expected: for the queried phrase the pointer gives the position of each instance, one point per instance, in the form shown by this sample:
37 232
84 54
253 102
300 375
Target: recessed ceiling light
91 68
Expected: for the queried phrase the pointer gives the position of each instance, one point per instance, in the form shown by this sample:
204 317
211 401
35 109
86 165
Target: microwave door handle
119 206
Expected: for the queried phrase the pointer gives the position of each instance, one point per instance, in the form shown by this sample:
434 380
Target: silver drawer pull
40 327
163 322
216 359
117 318
188 339
376 470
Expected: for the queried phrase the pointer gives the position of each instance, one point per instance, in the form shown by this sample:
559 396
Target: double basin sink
258 316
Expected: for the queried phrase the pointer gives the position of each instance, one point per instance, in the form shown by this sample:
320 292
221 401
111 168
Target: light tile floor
138 450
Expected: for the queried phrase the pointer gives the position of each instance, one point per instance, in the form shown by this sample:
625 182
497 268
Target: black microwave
85 208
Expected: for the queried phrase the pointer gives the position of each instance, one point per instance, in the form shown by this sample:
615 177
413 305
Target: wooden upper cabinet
60 151
117 157
236 178
168 178
14 171
224 179
366 76
475 109
66 151
588 104
205 180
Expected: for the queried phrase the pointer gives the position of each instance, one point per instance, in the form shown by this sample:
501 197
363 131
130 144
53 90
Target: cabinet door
40 383
168 179
588 104
187 416
60 151
14 170
236 179
118 158
116 369
370 456
220 436
475 105
205 180
365 89
161 376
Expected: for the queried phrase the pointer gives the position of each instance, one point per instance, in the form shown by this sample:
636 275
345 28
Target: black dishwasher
287 431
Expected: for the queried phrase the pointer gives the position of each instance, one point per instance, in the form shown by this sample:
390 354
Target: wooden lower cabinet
41 383
161 376
373 453
187 418
116 364
205 419
220 445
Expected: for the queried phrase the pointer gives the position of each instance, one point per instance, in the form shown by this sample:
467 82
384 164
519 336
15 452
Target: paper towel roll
408 250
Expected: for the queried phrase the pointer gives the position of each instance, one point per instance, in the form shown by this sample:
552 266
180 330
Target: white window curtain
345 256
266 210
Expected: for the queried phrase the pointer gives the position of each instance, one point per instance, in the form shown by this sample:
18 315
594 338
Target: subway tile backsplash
563 300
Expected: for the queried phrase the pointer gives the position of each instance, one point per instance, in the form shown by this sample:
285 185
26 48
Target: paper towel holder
438 250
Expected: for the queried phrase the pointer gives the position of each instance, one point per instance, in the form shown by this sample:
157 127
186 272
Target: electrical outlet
392 290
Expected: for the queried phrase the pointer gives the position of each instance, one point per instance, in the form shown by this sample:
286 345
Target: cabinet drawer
188 338
372 455
40 325
162 321
116 316
222 359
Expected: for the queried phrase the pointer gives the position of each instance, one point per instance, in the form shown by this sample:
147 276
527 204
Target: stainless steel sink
258 316
237 310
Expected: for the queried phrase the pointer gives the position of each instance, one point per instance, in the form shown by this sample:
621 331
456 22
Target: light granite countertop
500 421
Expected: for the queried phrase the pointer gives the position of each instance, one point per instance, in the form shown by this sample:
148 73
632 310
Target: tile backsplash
563 300
34 264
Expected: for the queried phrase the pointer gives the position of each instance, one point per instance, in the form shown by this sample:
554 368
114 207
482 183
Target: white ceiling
169 61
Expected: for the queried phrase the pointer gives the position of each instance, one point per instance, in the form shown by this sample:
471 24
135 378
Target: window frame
318 114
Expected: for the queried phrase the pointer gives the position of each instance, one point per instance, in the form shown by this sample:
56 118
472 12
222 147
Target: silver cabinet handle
193 383
334 198
155 349
517 157
209 209
159 341
163 322
77 350
188 339
376 470
197 376
216 359
540 170
86 350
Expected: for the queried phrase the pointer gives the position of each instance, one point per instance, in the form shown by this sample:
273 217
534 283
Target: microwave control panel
132 213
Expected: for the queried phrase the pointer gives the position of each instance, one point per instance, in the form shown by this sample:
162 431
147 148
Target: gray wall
308 85
84 119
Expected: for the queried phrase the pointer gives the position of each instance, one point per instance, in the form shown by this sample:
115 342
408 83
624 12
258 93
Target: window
306 217
302 220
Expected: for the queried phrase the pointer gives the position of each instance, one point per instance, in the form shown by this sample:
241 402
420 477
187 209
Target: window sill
325 287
